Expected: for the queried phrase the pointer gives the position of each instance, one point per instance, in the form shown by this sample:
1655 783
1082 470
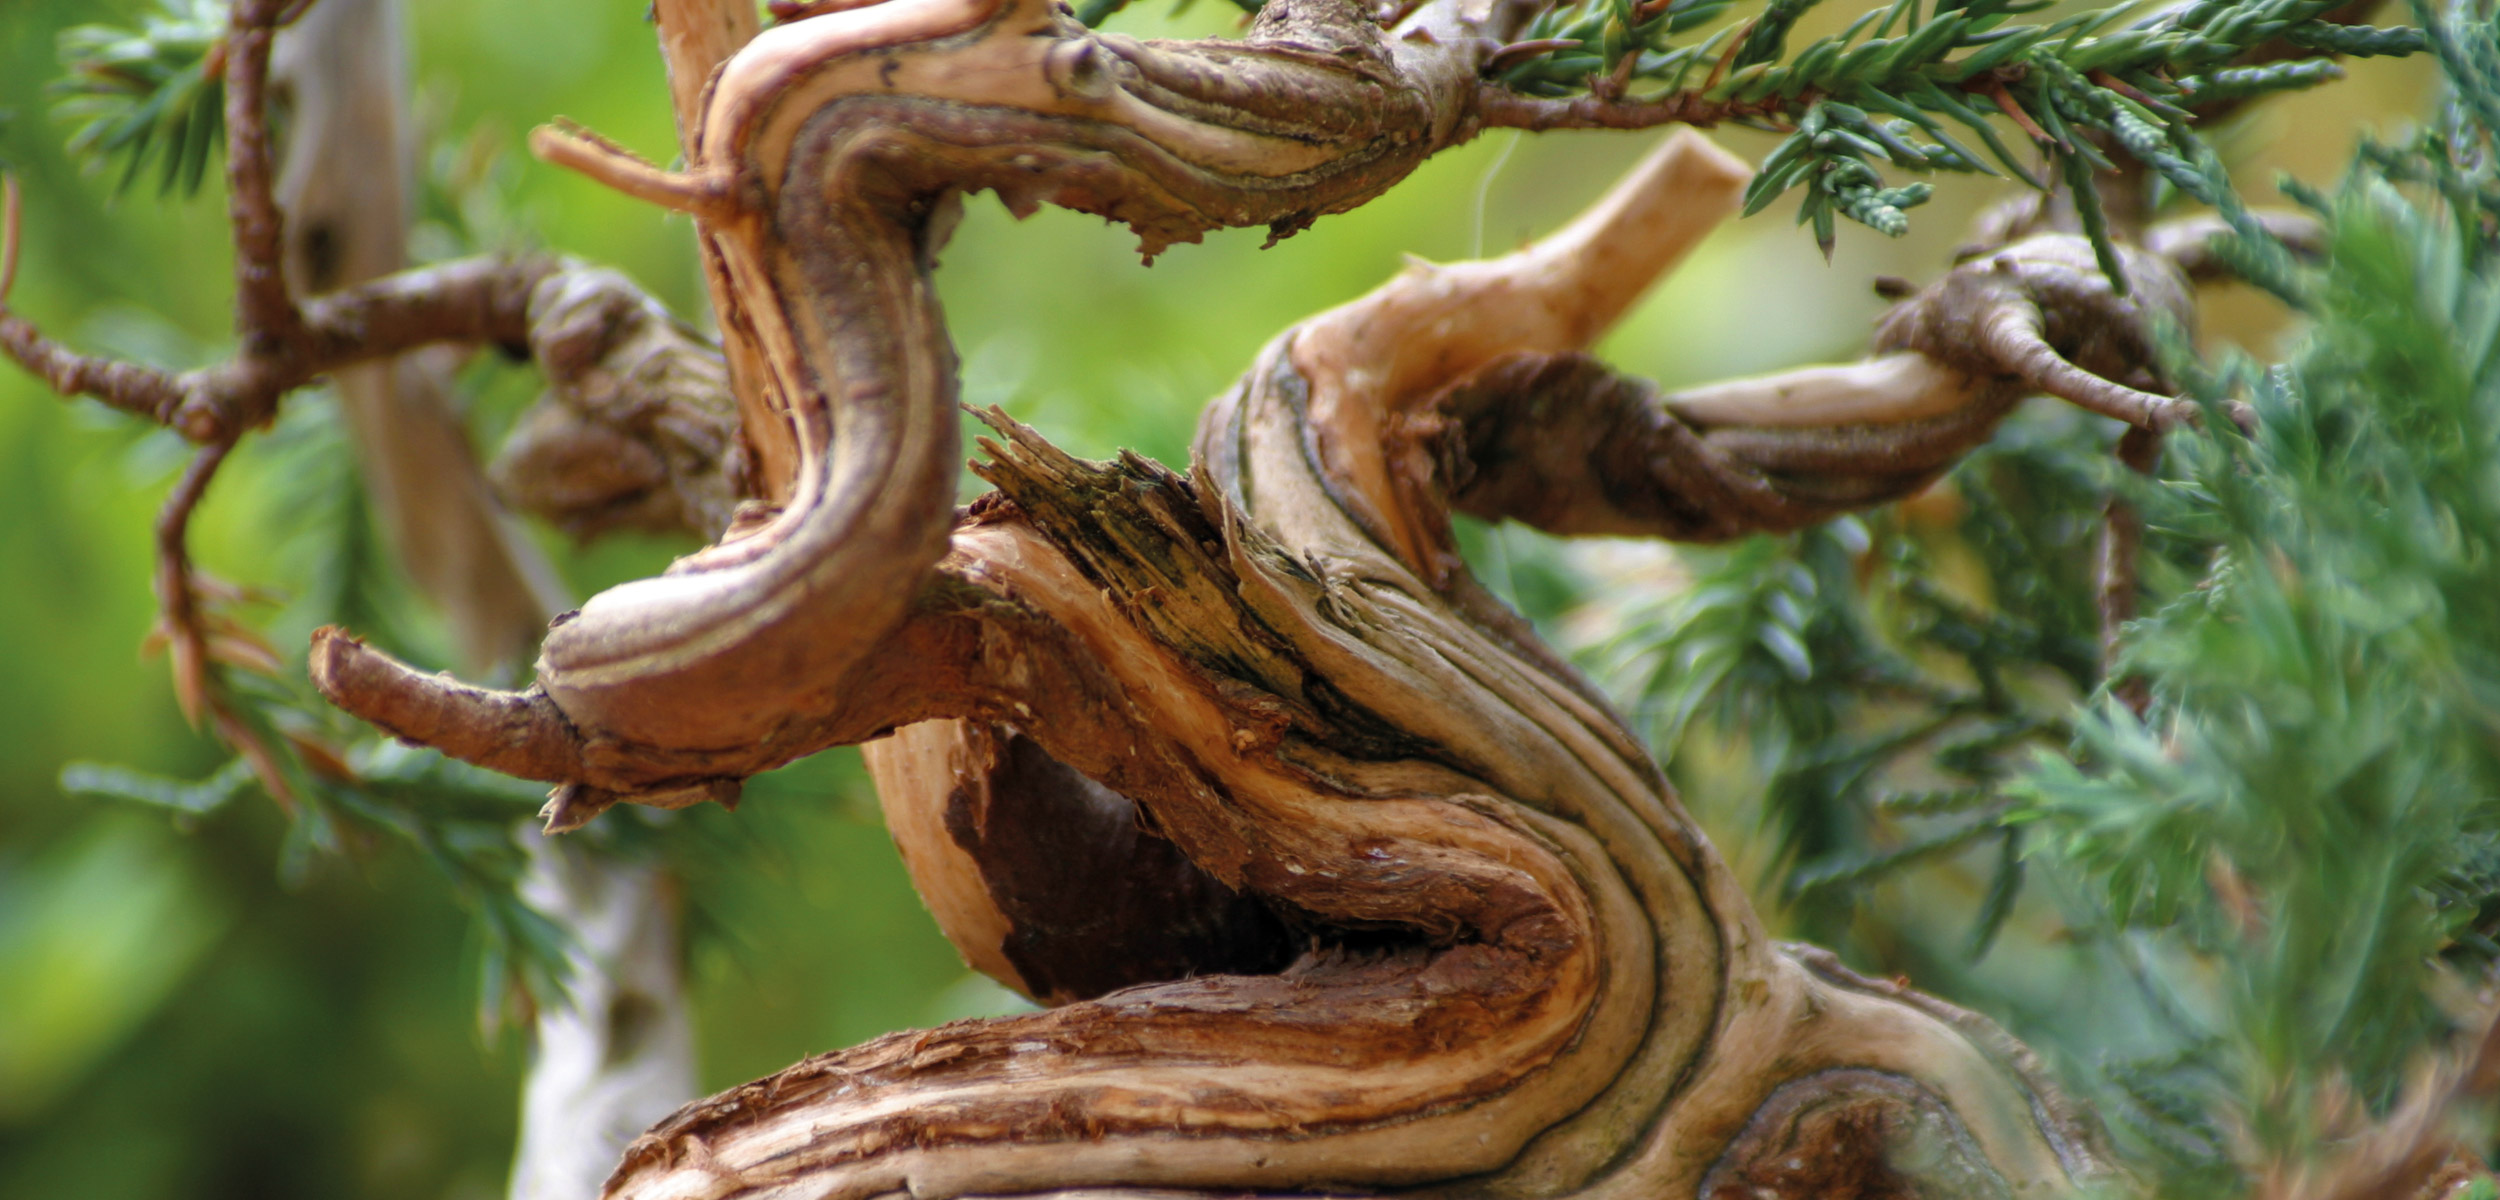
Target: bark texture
1400 903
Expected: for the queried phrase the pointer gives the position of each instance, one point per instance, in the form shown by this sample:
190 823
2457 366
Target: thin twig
1515 53
12 214
198 685
176 597
478 300
2414 1153
265 312
2192 241
1498 107
577 149
141 391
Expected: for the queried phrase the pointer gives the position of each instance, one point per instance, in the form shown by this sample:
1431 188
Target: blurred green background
180 1016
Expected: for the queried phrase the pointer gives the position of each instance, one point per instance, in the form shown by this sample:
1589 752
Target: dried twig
2414 1153
1515 53
176 597
197 653
576 149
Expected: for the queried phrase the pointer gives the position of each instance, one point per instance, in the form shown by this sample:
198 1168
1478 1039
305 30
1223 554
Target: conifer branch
1869 100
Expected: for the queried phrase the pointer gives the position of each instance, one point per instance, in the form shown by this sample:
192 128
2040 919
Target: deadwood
1409 907
1403 905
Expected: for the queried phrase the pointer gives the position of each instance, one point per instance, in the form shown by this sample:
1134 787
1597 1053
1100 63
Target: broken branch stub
1412 908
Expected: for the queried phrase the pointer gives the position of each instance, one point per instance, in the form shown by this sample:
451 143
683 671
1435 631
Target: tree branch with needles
1477 934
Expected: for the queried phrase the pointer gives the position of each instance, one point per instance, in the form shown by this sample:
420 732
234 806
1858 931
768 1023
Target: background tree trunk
617 1052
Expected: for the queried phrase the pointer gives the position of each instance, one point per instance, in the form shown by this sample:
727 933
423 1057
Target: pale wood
917 771
617 1052
696 37
1526 973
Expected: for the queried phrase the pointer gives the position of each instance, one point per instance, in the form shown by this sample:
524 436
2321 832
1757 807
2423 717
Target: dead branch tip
2014 338
573 805
577 149
517 733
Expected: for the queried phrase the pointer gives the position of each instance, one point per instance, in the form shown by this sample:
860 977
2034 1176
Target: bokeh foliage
206 1005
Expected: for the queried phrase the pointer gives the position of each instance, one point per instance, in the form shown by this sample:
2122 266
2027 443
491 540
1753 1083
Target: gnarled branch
1422 913
1522 963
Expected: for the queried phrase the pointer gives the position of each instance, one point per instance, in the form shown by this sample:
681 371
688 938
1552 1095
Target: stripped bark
1413 909
696 37
1515 967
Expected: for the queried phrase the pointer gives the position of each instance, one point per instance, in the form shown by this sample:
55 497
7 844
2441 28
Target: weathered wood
1515 968
696 37
1050 881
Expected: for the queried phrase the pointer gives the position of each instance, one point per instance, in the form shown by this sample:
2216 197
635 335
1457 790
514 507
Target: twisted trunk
1401 903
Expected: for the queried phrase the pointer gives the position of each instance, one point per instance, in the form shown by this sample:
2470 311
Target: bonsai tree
1330 873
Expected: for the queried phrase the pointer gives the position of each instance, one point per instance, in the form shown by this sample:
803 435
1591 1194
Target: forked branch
1271 661
1479 937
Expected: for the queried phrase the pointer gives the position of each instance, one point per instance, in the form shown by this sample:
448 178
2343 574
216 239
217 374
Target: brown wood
1052 880
1430 918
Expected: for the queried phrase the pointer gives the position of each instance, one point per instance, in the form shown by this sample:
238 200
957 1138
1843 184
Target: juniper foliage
2310 814
2293 854
146 95
1892 89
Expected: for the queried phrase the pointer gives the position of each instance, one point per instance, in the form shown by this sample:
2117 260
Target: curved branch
480 300
1523 963
2013 338
842 139
2191 242
1564 444
638 427
2041 312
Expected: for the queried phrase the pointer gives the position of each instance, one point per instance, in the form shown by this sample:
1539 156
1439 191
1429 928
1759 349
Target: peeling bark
1402 905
